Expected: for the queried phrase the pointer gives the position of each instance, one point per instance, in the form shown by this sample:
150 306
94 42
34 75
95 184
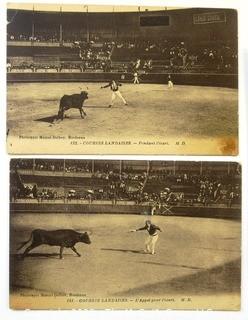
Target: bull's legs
61 252
29 248
61 114
82 112
74 249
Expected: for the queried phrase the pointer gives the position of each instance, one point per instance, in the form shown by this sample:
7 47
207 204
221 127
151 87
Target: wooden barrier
99 208
196 79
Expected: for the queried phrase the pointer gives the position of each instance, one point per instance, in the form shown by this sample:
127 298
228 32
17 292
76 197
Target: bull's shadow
36 255
53 119
50 119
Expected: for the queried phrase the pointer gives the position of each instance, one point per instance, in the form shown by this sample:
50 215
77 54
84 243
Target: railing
54 173
63 66
117 202
75 201
29 43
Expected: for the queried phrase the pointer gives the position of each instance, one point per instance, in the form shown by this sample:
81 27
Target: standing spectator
153 210
137 64
170 83
216 193
8 66
35 191
136 78
231 198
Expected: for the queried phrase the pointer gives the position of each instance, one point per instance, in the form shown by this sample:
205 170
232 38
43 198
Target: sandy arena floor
153 111
194 256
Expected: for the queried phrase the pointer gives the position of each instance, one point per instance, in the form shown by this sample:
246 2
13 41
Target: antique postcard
112 234
87 79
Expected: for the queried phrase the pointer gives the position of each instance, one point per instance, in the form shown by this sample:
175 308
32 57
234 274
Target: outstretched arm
134 230
107 85
158 229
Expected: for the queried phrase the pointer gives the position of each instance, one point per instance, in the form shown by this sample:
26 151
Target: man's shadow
124 250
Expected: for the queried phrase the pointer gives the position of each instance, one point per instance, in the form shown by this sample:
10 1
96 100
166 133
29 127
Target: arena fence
186 211
201 79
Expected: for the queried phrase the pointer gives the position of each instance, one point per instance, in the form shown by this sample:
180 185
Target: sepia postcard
121 80
112 234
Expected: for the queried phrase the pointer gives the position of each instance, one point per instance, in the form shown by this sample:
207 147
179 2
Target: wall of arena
200 79
125 208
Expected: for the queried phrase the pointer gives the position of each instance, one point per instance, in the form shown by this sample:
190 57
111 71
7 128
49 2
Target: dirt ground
194 256
153 112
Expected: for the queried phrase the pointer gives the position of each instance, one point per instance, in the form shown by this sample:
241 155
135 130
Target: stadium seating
130 181
79 37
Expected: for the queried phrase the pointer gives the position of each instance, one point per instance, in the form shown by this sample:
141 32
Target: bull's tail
25 242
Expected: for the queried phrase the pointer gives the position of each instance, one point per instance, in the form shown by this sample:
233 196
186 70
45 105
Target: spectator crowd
139 54
141 186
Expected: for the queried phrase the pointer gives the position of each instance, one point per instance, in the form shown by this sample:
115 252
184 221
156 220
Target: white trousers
151 243
116 94
136 80
170 84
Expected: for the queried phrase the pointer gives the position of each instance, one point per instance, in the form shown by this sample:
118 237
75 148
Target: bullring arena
194 257
187 112
197 255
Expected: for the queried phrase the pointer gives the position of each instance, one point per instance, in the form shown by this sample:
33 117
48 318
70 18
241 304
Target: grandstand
178 41
138 182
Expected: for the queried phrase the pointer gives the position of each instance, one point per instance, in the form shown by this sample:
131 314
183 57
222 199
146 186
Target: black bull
64 238
72 101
